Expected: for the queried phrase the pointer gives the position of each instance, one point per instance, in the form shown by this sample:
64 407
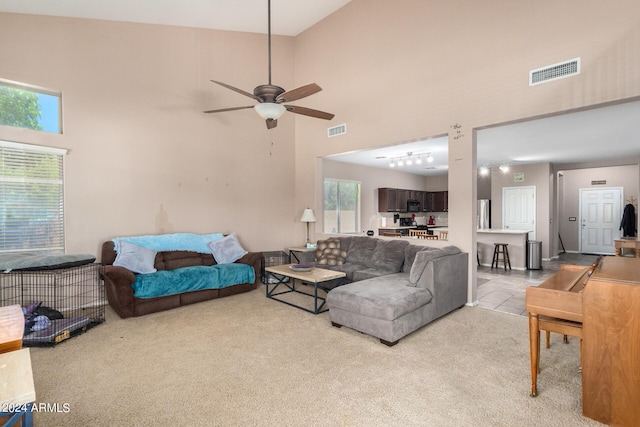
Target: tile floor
502 290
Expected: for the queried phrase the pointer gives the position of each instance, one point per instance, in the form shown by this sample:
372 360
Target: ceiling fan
271 98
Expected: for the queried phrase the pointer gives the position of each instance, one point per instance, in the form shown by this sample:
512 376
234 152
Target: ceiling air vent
337 130
554 72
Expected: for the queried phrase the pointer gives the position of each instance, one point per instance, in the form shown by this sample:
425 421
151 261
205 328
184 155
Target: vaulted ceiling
605 133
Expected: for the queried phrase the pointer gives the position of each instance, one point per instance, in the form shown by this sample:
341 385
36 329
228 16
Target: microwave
413 206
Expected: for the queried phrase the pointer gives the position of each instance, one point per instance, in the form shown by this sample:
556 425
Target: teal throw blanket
195 278
173 242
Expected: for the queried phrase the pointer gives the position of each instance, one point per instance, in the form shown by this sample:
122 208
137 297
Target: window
31 199
341 206
28 107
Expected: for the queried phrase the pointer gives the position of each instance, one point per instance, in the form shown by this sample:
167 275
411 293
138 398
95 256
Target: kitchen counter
405 229
503 231
410 227
516 239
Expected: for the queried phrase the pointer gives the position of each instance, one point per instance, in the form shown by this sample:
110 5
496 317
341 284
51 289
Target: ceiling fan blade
227 109
299 93
271 123
309 112
235 89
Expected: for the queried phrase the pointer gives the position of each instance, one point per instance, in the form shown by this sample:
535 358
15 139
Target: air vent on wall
337 130
554 72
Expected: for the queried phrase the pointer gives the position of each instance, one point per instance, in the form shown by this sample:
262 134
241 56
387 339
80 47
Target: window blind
31 199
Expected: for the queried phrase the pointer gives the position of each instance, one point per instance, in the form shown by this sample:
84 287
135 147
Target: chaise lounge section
396 288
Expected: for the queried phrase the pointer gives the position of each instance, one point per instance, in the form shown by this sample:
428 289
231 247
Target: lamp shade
269 110
308 216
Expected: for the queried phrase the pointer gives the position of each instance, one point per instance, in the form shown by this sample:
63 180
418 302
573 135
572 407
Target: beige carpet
249 361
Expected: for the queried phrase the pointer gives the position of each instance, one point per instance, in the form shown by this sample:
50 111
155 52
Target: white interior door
600 219
519 209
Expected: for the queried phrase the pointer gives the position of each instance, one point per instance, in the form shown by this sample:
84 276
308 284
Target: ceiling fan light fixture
270 110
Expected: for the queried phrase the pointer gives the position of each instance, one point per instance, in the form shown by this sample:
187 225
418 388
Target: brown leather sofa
118 281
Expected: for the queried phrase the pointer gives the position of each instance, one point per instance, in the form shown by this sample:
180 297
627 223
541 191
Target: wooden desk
627 244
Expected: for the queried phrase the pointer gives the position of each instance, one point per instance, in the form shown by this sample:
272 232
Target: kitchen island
516 239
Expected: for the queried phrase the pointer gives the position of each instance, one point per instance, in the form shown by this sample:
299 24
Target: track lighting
504 168
412 158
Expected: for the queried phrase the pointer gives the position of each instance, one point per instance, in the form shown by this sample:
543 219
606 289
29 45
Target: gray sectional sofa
393 287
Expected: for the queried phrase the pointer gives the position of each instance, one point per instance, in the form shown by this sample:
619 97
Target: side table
299 250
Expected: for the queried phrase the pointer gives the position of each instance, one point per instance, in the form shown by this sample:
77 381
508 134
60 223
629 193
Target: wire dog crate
76 293
270 259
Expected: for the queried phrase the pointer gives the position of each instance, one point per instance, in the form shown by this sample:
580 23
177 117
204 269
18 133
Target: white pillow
135 258
227 249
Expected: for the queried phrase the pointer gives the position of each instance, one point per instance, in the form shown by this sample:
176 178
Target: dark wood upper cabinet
403 196
440 201
436 201
395 200
387 200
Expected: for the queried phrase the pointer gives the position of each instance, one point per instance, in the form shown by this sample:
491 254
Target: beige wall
416 68
143 158
570 184
535 175
371 179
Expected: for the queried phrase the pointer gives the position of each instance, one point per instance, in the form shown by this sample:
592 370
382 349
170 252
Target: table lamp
308 216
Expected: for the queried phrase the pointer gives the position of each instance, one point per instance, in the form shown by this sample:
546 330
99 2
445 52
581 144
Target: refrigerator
484 214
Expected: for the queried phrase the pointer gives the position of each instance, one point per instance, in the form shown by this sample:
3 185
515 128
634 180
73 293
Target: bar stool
501 248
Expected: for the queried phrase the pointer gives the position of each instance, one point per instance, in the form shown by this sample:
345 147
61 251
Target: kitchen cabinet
388 200
403 196
395 200
440 201
436 201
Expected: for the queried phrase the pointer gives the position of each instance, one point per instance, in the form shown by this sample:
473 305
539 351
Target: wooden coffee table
319 278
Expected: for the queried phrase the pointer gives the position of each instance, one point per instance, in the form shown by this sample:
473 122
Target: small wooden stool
501 248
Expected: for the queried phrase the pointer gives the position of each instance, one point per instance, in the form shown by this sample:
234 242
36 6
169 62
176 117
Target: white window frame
358 209
37 90
45 238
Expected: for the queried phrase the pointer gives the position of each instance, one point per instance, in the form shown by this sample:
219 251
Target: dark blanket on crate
32 262
194 278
